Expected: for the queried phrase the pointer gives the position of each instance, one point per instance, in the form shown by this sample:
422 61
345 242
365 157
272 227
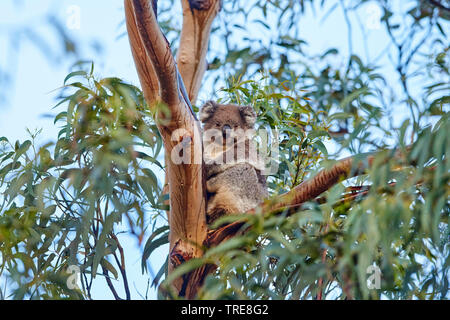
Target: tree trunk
159 79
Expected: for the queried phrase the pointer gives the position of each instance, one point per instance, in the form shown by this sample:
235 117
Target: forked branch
156 64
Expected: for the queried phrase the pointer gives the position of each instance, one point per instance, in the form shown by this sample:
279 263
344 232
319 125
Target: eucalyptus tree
370 224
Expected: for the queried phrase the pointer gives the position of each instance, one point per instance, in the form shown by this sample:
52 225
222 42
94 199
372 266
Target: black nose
226 128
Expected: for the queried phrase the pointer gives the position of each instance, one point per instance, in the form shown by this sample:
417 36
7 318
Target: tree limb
121 265
145 70
439 5
306 191
157 49
197 20
110 285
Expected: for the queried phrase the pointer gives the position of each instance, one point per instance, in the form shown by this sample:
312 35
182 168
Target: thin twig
110 285
324 256
439 5
122 268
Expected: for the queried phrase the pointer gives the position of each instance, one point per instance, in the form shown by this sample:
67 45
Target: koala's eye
217 124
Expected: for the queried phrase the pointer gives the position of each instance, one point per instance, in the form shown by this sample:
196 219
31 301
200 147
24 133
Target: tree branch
157 49
145 70
121 265
439 5
292 200
110 285
197 20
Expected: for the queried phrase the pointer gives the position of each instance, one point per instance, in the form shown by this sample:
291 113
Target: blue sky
33 91
38 77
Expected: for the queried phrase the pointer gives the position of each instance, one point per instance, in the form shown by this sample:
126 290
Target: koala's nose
226 128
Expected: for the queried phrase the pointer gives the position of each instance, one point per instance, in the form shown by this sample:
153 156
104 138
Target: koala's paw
222 203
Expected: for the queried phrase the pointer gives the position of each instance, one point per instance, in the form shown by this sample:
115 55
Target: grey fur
237 187
207 110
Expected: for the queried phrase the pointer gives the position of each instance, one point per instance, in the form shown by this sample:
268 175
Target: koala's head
225 117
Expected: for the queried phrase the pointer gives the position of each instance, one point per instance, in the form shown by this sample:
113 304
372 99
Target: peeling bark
200 4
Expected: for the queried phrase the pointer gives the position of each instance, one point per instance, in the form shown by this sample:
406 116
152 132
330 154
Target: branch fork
160 79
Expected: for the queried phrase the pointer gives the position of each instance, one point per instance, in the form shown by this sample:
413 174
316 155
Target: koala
234 182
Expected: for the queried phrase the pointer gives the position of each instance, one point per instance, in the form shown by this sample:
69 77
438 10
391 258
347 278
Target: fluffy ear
207 110
249 115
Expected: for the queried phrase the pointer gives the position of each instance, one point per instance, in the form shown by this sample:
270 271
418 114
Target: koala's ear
248 114
207 110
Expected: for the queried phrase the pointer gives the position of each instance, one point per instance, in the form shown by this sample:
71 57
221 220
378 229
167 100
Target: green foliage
284 111
62 202
65 203
398 222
